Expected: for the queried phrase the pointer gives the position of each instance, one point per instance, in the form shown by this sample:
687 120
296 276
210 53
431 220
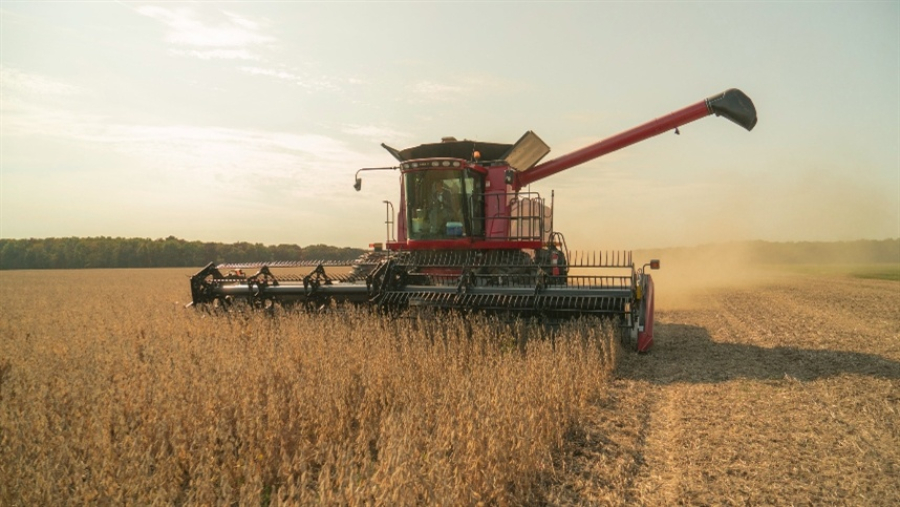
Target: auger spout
732 104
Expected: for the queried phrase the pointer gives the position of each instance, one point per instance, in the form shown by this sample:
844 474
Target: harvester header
466 237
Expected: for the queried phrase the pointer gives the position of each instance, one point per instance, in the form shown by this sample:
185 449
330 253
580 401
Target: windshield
436 204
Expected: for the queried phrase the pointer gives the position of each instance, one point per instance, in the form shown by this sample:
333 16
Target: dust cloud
737 228
810 205
687 272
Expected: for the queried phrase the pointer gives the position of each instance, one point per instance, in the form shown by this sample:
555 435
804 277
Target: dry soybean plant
149 404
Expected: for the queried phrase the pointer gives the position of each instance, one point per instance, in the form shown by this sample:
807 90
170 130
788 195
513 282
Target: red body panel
645 337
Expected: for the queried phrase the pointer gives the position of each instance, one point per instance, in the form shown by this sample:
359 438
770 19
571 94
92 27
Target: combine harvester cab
469 238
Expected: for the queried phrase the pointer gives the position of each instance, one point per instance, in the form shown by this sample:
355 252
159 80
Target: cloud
242 21
456 89
14 80
229 154
310 83
374 132
430 91
230 36
280 74
29 103
230 182
204 156
217 54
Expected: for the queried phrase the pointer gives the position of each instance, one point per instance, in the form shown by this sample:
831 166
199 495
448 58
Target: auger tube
732 104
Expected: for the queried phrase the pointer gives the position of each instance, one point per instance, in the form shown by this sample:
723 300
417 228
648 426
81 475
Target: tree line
106 252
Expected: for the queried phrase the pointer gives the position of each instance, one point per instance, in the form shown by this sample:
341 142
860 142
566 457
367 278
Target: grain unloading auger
469 238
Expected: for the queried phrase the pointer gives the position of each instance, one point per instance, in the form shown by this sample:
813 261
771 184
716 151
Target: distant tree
107 252
326 252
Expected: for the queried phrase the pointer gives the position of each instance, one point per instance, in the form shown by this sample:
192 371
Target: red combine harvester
469 238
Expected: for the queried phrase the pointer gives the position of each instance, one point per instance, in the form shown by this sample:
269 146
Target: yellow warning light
476 155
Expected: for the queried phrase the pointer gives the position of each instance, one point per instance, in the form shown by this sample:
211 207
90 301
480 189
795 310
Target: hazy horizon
235 122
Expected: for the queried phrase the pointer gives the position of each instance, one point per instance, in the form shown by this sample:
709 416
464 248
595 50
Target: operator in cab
444 214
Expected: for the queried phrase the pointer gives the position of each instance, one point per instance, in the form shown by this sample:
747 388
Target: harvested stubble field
773 389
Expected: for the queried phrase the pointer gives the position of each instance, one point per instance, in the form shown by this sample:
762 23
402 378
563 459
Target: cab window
435 202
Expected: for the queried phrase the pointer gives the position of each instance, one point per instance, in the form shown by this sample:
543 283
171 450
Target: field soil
766 388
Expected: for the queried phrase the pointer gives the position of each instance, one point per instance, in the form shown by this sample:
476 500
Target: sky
246 121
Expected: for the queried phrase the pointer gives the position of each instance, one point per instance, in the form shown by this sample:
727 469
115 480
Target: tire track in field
686 372
783 394
601 464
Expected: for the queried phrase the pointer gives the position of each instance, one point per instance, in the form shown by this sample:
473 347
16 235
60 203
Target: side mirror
358 183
